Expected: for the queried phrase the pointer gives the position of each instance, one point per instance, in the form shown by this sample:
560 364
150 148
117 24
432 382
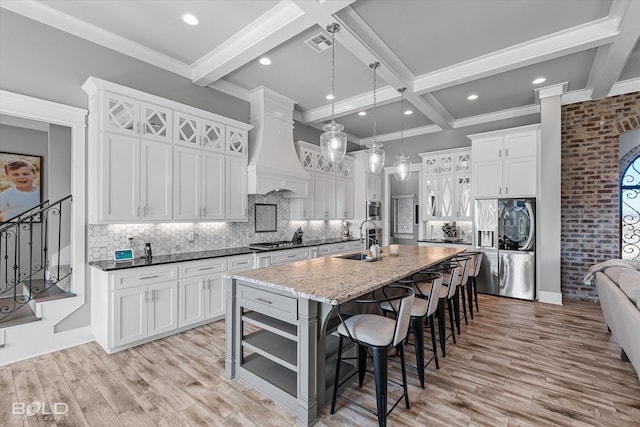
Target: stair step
52 293
22 315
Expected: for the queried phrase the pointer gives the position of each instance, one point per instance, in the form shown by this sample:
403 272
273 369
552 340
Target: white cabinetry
145 303
331 196
374 187
152 159
266 259
446 186
505 163
201 290
132 164
136 305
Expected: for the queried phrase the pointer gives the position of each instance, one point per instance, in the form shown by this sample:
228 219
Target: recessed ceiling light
265 61
539 80
329 97
190 19
472 97
362 113
408 112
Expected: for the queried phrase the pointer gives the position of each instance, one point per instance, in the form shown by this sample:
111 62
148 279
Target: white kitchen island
279 321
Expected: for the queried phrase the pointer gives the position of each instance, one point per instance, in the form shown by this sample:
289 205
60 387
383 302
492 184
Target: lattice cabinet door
187 130
446 196
430 165
213 136
308 158
463 162
446 163
156 122
122 114
463 196
237 142
323 165
344 168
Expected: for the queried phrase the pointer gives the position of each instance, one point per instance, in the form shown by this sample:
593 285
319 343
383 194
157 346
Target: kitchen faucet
362 236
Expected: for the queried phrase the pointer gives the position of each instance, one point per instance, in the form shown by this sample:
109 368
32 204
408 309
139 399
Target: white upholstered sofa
618 285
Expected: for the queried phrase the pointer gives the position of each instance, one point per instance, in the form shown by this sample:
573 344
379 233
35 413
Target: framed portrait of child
20 184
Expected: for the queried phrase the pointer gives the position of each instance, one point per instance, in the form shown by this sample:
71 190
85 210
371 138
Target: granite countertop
453 242
335 280
109 265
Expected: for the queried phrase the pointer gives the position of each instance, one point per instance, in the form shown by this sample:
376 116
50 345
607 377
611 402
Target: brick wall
591 186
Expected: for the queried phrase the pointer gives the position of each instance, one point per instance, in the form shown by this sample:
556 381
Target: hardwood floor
517 363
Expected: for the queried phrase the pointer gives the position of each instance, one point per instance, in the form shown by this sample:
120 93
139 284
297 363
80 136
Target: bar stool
472 288
445 294
376 333
423 309
465 263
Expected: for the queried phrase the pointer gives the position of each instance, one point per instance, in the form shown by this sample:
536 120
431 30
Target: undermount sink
357 257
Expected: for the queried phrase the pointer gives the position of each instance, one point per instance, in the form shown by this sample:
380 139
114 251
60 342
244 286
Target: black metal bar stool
445 295
376 334
472 288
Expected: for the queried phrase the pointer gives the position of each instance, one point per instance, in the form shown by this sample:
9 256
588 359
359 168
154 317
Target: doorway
404 215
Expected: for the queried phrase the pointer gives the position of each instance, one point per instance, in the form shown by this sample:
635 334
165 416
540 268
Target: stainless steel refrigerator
504 230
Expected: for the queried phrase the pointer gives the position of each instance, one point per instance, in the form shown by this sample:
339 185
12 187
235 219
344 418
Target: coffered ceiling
441 51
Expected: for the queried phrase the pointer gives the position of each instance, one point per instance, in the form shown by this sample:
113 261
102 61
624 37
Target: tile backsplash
433 229
171 238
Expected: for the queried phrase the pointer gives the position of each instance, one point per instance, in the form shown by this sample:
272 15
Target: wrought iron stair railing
31 261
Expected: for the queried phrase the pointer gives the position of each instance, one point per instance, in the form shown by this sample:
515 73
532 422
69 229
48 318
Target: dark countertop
457 242
110 265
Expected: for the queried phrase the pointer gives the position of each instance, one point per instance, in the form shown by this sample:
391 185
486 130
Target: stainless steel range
282 244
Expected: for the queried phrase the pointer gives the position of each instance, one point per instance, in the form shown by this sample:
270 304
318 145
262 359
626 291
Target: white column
548 203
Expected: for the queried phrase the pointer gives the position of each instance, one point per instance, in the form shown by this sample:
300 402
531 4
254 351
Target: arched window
630 211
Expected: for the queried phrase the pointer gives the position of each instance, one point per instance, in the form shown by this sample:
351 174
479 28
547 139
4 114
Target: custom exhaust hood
273 162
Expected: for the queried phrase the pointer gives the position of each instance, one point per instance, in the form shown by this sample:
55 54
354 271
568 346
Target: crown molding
408 133
231 89
347 106
625 86
511 113
71 25
28 107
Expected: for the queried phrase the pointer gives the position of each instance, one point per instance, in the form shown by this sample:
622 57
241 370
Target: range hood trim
273 161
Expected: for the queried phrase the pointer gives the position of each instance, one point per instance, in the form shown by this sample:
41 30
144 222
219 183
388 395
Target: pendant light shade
375 160
374 155
402 163
333 142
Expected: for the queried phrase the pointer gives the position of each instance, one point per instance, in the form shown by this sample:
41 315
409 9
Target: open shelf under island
280 320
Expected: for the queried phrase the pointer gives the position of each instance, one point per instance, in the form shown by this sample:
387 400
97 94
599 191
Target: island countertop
336 280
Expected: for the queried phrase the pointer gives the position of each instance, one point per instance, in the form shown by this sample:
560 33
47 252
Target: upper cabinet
505 163
446 185
331 195
152 159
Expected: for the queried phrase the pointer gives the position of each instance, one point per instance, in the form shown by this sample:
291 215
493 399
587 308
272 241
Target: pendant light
402 164
374 154
333 142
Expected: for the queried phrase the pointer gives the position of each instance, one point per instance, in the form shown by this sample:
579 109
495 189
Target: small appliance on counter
346 232
297 236
147 251
450 231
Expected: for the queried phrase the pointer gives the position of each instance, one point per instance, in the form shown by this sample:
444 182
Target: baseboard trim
11 354
550 297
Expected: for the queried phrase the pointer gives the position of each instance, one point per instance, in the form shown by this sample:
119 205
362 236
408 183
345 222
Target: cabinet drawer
354 244
339 247
198 268
289 256
240 262
269 303
324 250
144 276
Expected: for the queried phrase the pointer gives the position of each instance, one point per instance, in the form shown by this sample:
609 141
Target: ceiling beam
611 59
360 39
572 40
284 21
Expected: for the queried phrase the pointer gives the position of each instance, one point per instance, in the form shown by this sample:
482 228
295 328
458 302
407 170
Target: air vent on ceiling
319 42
